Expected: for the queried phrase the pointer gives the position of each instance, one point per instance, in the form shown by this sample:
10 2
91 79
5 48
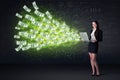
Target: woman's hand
93 41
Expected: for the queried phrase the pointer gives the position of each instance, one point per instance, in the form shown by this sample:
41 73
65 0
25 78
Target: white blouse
93 35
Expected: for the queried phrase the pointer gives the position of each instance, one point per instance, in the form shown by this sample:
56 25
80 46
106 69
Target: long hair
97 24
97 30
98 33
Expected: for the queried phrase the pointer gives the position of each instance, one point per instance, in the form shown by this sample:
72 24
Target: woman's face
94 25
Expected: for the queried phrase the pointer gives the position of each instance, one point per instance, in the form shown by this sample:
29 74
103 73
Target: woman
95 37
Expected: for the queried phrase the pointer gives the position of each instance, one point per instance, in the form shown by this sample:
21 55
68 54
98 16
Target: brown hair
97 24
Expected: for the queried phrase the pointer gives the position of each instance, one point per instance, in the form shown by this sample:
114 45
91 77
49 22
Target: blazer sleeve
90 34
100 36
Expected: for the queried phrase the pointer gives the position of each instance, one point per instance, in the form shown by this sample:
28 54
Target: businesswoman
95 37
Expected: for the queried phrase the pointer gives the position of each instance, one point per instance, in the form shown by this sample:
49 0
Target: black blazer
98 35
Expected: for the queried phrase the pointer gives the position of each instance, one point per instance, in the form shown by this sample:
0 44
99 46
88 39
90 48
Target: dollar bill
18 15
35 5
26 8
38 13
22 24
30 18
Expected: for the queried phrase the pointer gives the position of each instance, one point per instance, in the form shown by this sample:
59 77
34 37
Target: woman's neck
94 29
